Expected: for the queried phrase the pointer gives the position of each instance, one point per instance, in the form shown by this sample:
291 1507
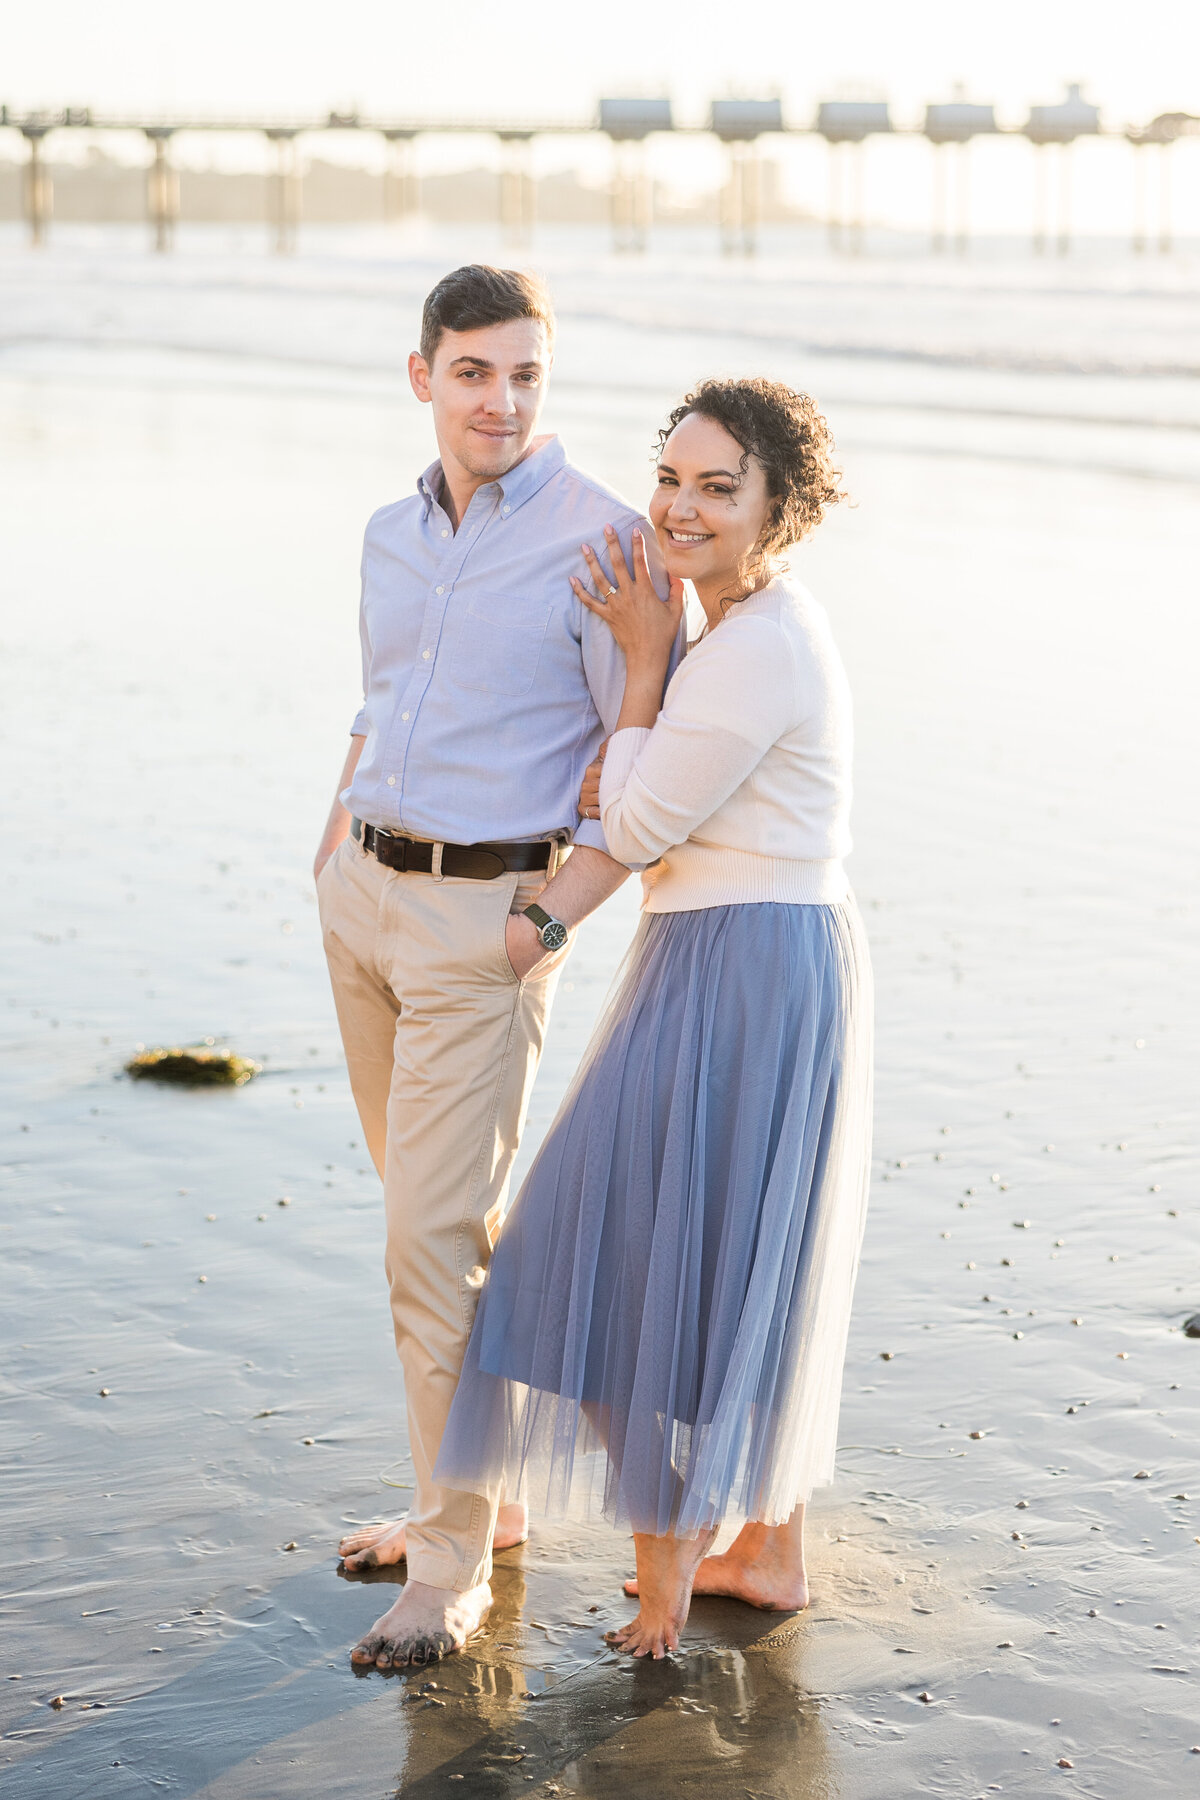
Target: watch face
554 935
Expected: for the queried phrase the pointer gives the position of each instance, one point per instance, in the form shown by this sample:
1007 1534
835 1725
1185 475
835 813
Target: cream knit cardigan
742 787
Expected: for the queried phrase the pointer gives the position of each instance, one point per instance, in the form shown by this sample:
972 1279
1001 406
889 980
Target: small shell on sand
196 1065
1191 1327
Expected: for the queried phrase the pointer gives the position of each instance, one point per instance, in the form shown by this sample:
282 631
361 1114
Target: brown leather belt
474 862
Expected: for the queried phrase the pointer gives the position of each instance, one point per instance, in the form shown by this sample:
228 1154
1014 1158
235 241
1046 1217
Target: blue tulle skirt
664 1320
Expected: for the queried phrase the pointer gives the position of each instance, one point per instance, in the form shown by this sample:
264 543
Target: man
446 896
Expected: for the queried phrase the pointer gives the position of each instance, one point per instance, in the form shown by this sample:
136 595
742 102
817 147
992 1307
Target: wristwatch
550 930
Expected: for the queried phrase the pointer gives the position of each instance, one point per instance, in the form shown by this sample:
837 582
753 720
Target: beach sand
1005 1576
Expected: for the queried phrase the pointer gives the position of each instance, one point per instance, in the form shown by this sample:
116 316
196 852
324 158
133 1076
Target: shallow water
182 517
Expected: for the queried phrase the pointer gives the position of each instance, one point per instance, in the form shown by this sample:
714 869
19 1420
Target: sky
553 58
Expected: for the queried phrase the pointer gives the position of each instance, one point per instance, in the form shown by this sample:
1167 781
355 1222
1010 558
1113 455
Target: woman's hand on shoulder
644 626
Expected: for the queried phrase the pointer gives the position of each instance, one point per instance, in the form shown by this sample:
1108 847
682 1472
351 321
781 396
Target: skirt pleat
672 1284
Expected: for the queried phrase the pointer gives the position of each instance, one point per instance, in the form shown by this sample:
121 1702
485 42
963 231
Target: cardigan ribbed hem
693 876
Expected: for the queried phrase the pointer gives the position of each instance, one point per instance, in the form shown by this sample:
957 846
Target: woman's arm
732 698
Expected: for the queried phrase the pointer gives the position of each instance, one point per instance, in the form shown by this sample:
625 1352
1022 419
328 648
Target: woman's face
706 513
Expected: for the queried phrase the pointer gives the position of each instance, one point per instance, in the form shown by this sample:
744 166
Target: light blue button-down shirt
488 686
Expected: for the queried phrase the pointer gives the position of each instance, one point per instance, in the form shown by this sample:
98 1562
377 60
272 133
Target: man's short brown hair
477 295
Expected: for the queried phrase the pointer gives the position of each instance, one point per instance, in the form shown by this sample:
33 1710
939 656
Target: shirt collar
519 485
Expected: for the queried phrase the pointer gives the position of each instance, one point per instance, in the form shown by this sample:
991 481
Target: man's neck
459 485
458 490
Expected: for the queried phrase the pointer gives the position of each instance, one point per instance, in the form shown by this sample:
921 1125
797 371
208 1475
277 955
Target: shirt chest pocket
499 643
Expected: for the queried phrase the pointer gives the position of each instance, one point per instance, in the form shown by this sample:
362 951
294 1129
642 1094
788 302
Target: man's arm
584 882
337 826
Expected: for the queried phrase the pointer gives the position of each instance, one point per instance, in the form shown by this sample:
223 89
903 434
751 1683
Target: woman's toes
366 1650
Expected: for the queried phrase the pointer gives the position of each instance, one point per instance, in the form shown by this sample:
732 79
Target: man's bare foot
425 1623
666 1570
381 1546
764 1566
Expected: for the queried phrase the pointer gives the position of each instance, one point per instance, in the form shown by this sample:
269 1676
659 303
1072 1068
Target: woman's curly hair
783 431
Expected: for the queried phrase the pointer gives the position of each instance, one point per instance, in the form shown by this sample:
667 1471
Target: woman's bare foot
380 1546
666 1570
764 1566
425 1623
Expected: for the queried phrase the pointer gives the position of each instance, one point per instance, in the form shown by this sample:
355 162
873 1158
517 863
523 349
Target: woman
673 1282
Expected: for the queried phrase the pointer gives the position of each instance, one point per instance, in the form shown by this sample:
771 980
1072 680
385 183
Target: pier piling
400 192
285 188
162 188
517 190
39 191
627 123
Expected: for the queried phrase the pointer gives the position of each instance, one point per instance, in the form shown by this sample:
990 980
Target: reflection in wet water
732 1710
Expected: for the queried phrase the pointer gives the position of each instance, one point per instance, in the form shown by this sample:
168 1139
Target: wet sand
1008 1534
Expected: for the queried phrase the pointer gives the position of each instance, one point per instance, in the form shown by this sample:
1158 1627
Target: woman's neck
717 594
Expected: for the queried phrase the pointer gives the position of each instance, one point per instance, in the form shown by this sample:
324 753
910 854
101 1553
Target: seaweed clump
193 1065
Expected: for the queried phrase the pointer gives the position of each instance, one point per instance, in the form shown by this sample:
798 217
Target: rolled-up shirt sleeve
604 663
722 713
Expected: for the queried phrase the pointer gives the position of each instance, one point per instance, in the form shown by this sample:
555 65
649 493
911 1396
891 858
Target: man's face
486 388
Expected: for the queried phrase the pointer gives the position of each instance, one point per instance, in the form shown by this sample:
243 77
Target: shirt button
404 715
439 590
445 533
506 509
391 781
425 655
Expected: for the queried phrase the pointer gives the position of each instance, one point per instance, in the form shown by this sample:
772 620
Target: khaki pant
442 1043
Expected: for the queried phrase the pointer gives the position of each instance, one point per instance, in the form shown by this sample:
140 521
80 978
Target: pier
740 126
